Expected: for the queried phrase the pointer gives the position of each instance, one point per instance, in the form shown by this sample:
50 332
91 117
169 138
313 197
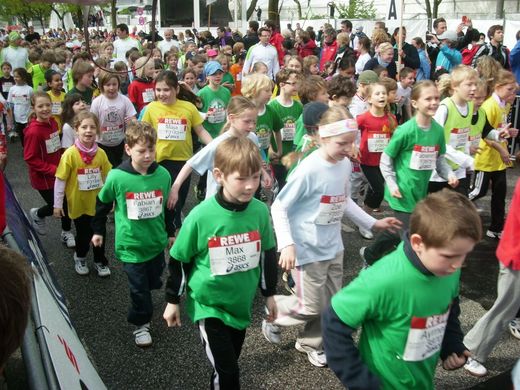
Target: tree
299 9
25 11
63 9
272 11
432 13
356 9
251 8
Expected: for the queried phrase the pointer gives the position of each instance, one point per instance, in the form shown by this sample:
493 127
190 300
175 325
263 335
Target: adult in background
223 38
124 43
276 40
16 55
515 58
251 37
408 53
448 57
264 52
169 41
494 48
304 45
385 58
329 47
32 36
439 26
424 71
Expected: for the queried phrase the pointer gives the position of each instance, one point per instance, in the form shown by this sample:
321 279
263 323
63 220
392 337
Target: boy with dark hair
341 90
38 71
139 187
407 304
83 76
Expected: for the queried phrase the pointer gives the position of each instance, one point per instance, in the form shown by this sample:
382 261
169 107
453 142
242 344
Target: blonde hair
343 39
81 116
379 37
237 154
237 105
444 85
254 83
334 114
385 46
461 73
487 68
140 64
140 132
504 77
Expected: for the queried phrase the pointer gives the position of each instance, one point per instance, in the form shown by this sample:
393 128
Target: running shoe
366 234
271 332
317 358
475 368
514 327
142 335
67 238
37 222
80 265
492 234
102 270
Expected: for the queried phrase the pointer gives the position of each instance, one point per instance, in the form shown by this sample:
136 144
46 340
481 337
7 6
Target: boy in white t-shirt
404 90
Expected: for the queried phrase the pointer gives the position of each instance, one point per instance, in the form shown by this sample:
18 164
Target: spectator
448 56
275 40
363 48
424 71
251 37
223 38
329 47
16 55
515 58
124 43
439 26
408 53
305 46
494 48
264 52
385 58
469 51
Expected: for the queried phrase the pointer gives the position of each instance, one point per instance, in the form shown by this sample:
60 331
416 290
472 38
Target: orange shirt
236 72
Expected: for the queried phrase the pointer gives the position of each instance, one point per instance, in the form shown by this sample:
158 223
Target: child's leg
376 189
480 186
498 200
174 167
114 153
83 235
141 307
19 128
482 338
48 209
66 222
223 345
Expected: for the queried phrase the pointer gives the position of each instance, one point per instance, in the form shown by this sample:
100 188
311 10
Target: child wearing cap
314 201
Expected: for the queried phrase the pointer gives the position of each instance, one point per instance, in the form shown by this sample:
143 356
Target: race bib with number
377 142
112 134
56 108
424 158
264 138
171 129
148 95
89 179
144 205
20 99
234 253
425 337
474 141
6 87
216 114
288 131
53 144
459 138
330 210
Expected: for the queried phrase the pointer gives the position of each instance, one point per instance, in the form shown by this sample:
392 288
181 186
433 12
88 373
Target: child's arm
181 178
342 355
445 171
175 286
284 236
268 281
504 153
453 351
59 195
99 221
386 165
203 134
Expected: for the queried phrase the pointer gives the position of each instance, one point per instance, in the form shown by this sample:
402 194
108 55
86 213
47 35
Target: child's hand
171 240
172 199
97 240
58 212
266 180
453 182
287 258
455 361
390 223
474 150
396 193
513 133
172 315
270 304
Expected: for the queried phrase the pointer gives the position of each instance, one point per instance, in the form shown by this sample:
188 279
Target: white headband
337 128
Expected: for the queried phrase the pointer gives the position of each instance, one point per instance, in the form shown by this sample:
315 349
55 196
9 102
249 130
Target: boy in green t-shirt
38 71
139 187
407 303
217 259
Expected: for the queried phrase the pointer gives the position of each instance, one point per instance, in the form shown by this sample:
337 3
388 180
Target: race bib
288 131
112 134
264 138
377 142
330 210
459 138
144 205
425 337
53 144
424 158
6 87
56 108
89 179
234 253
474 141
216 115
148 95
20 99
170 129
239 76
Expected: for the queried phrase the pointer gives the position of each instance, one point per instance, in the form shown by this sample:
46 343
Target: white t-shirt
121 46
403 95
361 62
112 114
18 57
358 106
165 46
202 161
68 136
19 99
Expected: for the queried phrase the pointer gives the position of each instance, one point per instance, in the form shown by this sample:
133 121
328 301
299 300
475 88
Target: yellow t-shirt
56 107
83 181
489 160
173 124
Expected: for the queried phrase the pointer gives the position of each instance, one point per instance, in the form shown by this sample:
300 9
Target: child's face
87 131
164 93
216 78
199 68
322 96
264 96
225 64
392 96
478 98
428 101
384 73
238 188
314 69
157 55
442 261
86 79
6 70
245 122
294 65
292 85
348 73
142 155
172 62
378 98
18 79
42 108
79 106
148 70
45 64
338 147
262 70
189 78
109 51
387 55
505 92
343 101
408 80
56 83
466 89
111 88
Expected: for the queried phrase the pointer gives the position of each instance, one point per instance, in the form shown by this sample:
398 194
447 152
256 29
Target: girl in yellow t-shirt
80 175
55 84
175 119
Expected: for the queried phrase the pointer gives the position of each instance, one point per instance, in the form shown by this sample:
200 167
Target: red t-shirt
141 93
375 134
508 251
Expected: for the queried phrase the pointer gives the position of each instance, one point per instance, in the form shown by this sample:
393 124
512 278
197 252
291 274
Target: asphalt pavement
177 361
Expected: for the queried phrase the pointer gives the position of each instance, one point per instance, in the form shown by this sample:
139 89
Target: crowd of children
124 137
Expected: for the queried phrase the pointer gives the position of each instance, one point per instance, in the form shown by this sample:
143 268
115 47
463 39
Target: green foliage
356 9
24 10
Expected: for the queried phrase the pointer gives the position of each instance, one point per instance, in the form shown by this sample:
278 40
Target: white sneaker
514 327
67 238
317 358
102 270
475 368
362 255
142 335
80 265
271 332
491 234
366 234
13 135
37 222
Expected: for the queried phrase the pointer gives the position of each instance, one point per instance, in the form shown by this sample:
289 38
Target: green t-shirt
228 78
403 313
86 95
288 117
140 201
299 133
38 77
214 104
267 123
224 247
414 152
